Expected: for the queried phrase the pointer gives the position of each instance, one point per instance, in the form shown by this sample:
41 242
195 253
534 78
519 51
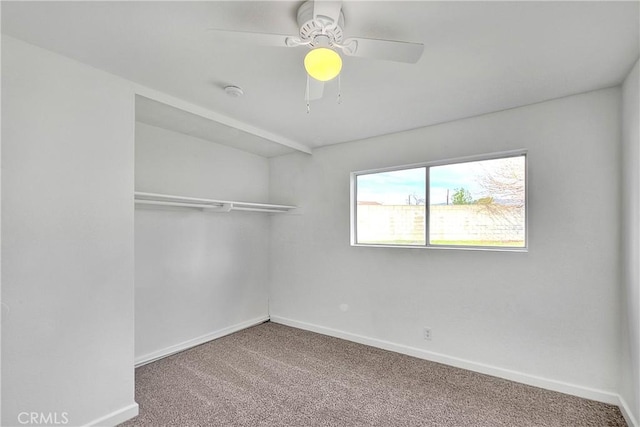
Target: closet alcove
202 213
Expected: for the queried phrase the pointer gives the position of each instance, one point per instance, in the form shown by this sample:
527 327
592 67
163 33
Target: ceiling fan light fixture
323 63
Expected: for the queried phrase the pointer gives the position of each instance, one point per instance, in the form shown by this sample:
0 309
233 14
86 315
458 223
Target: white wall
67 244
630 302
548 316
198 275
1 306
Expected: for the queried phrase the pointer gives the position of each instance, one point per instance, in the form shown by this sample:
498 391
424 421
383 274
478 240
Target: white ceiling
479 57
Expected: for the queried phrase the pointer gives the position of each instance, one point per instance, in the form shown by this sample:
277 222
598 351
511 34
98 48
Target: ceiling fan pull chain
306 96
339 91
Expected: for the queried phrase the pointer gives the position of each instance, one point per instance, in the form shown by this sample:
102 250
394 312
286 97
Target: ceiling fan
321 24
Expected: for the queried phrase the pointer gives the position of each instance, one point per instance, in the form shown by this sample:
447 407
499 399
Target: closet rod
186 205
139 195
209 204
242 208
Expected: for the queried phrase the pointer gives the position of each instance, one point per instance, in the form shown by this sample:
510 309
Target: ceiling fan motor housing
310 28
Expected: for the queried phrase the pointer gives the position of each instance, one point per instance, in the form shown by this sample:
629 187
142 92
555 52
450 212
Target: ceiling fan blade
259 39
328 9
316 89
384 49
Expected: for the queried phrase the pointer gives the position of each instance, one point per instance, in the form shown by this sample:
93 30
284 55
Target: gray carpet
274 375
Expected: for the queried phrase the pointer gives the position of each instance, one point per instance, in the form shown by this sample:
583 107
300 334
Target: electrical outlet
427 334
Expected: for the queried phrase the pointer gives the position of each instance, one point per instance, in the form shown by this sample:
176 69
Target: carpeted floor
274 375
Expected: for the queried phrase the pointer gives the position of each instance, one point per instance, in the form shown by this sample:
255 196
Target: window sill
463 248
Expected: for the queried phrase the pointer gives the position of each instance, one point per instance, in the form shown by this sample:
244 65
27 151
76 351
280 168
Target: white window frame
427 166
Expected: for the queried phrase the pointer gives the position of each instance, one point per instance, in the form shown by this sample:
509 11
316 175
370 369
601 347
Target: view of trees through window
476 203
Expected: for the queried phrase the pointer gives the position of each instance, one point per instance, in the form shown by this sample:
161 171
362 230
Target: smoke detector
234 91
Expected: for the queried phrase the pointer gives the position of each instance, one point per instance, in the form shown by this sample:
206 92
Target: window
391 207
478 203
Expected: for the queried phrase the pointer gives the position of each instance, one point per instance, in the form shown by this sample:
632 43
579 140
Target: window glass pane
478 203
390 207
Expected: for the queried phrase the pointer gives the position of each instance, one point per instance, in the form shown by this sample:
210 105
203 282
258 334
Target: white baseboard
116 417
168 351
533 380
626 413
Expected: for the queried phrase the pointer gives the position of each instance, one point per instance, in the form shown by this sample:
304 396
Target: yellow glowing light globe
323 64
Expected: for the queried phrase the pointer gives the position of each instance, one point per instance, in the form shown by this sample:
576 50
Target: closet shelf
209 205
